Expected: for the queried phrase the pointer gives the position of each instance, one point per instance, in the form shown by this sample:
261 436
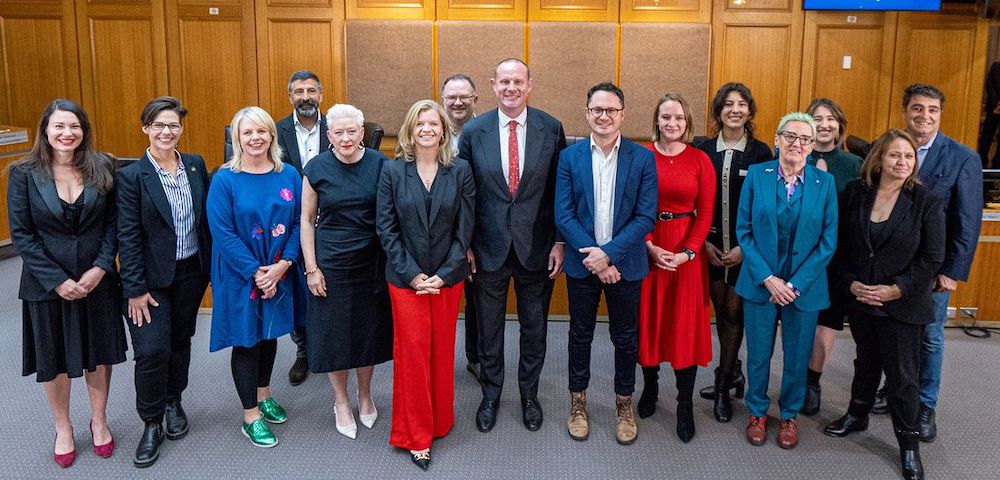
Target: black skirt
61 336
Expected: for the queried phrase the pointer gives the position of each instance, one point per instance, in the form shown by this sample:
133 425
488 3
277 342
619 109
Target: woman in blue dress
253 212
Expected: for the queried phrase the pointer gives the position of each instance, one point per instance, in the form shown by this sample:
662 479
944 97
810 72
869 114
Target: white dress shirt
504 139
308 140
605 170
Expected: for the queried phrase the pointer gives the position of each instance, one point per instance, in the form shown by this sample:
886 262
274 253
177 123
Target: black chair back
373 135
228 147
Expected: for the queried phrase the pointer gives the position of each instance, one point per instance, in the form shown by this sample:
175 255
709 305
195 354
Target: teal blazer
815 235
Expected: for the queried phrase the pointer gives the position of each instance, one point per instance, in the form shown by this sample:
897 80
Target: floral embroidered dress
254 219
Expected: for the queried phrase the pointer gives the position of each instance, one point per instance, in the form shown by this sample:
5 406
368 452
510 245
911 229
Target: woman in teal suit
787 227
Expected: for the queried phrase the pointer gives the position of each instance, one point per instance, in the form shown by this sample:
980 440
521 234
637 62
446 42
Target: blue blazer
634 208
954 173
815 235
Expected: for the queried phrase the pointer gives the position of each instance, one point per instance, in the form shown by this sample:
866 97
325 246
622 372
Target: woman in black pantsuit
892 233
165 256
61 209
348 314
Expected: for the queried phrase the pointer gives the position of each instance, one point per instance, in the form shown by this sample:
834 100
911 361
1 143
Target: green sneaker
259 433
271 411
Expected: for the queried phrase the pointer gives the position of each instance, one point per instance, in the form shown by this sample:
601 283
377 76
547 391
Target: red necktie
513 176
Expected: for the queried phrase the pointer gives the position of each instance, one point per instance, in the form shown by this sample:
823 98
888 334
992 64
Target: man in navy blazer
514 151
302 136
605 205
954 173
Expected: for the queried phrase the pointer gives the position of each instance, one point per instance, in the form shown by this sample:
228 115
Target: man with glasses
514 151
302 136
605 206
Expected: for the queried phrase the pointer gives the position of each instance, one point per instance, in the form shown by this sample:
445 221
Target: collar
180 162
930 143
720 145
520 119
295 117
618 144
800 177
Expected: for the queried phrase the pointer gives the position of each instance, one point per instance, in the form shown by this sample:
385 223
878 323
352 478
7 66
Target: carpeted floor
969 431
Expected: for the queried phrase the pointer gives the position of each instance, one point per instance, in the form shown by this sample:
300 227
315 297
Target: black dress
352 326
61 336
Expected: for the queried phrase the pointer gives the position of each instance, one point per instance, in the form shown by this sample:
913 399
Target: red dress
674 320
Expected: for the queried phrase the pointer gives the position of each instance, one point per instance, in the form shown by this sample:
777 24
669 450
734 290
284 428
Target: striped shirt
178 193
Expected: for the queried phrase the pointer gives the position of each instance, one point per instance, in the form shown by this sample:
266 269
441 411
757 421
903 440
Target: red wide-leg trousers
423 349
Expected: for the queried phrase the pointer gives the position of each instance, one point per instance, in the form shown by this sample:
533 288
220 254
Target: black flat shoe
927 424
149 445
299 371
486 416
176 421
846 425
531 414
421 459
881 405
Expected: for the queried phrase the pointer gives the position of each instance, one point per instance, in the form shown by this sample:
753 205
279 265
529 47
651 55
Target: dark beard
306 109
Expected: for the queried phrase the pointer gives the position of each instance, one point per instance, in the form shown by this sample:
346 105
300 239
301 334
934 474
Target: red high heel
103 451
64 460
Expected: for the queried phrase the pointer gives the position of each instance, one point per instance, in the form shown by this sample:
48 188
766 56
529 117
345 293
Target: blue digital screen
907 5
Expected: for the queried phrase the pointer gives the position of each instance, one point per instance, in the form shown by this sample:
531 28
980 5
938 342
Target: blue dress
254 219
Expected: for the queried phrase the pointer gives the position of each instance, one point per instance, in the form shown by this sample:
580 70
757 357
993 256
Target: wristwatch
690 253
290 263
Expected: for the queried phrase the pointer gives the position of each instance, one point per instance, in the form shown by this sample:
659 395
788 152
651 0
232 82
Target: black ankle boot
723 408
685 421
909 454
737 382
650 391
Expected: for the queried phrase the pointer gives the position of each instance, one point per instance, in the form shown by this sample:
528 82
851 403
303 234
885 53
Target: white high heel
368 420
349 431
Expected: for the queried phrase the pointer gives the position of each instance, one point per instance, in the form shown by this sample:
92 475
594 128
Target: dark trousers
251 367
162 348
886 344
299 337
534 291
986 137
584 295
471 324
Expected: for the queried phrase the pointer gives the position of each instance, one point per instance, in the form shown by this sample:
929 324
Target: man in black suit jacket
988 132
514 152
302 136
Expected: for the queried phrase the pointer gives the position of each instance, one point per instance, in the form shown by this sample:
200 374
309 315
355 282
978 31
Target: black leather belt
667 216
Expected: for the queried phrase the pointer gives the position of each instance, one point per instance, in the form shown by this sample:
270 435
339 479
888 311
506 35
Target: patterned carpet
969 431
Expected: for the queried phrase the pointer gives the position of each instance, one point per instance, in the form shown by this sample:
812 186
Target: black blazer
525 221
417 242
909 257
289 144
146 237
51 251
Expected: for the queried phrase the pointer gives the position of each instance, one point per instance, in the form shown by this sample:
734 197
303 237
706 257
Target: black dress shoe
813 395
685 421
531 413
299 371
927 424
176 420
845 425
486 417
149 445
881 405
910 462
421 459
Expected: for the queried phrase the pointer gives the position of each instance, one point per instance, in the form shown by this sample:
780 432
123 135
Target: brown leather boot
625 428
578 423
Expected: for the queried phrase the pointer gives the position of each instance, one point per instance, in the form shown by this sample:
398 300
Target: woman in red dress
674 321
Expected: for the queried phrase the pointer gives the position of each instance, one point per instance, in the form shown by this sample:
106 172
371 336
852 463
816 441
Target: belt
667 216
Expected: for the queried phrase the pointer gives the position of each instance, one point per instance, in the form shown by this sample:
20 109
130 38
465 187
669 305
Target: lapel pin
769 170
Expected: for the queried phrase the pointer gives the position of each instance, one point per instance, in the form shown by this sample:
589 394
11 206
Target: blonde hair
406 146
688 118
258 116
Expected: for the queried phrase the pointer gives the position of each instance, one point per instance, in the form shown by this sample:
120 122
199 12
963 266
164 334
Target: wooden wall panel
951 58
864 90
474 48
482 10
699 11
213 69
38 59
391 9
573 10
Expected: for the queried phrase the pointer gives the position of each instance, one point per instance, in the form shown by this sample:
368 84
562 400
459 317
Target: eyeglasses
791 138
598 111
158 127
462 98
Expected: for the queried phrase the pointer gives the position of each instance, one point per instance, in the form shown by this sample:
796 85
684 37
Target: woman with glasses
827 155
787 228
674 321
165 252
732 151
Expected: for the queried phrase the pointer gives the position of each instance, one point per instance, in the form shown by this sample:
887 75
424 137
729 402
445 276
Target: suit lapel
587 169
810 198
89 199
769 189
899 213
934 155
324 142
415 189
441 190
47 187
534 133
621 177
151 181
864 215
490 146
288 134
194 183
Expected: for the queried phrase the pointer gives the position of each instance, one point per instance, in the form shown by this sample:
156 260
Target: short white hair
341 110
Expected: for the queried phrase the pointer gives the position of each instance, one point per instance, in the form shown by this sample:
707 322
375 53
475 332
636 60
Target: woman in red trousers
424 218
674 307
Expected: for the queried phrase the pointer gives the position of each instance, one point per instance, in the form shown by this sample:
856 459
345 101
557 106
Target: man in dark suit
992 110
302 136
514 153
954 173
605 206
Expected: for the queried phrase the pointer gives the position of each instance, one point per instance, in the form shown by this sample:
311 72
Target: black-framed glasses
159 126
598 111
791 138
463 98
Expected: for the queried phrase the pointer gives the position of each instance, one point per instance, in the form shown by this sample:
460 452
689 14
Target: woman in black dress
349 319
732 151
61 209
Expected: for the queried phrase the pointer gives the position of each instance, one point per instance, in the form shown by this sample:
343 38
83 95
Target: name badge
743 173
